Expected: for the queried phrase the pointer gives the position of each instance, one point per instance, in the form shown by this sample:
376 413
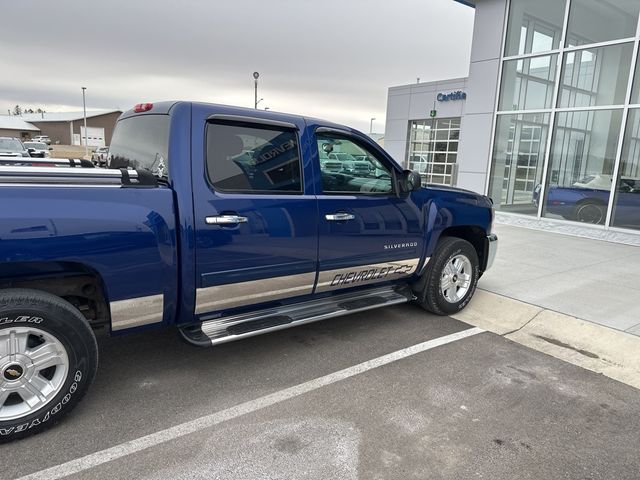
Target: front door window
347 167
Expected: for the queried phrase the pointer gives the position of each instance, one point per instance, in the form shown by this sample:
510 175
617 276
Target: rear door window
244 158
141 143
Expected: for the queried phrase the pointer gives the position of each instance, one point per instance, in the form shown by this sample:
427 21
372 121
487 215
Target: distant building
13 126
548 121
67 128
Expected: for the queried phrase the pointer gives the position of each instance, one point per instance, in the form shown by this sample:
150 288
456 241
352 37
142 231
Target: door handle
339 217
225 220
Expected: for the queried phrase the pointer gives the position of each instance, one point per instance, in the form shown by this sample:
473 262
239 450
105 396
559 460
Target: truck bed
100 223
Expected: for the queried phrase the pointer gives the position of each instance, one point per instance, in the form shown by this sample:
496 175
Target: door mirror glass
410 181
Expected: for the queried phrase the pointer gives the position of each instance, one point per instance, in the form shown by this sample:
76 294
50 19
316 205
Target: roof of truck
166 107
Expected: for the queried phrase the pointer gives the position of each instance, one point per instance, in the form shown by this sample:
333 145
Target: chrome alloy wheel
456 278
33 369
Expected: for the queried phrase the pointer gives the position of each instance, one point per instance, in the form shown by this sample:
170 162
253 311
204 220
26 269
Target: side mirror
50 148
410 181
327 147
31 150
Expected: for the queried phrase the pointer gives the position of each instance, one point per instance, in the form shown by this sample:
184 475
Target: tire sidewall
71 331
585 205
449 249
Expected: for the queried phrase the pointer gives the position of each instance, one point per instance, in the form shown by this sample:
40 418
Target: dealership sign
445 97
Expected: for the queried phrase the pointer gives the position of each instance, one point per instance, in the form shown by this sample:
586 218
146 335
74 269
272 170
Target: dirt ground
70 151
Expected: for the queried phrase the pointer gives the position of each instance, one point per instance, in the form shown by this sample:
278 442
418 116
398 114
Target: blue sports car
586 200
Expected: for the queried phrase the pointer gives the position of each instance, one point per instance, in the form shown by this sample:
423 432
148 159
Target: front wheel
48 359
451 277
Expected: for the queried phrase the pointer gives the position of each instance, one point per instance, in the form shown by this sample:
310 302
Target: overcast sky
332 59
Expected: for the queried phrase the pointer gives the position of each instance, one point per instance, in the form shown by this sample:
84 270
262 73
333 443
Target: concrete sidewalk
589 279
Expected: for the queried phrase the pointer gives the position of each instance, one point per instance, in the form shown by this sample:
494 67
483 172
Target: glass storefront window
595 59
581 164
592 21
534 26
595 76
433 147
626 203
528 83
635 92
518 159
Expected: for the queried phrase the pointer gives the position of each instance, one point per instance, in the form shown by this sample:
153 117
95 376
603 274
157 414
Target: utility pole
255 82
371 126
84 109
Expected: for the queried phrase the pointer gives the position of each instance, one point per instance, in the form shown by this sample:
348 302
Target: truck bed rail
70 176
46 162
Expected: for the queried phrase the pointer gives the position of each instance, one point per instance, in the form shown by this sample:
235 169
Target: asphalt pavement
368 396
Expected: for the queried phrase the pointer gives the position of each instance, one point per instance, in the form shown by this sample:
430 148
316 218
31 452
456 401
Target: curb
600 349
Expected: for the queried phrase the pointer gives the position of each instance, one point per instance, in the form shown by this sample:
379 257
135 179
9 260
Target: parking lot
328 400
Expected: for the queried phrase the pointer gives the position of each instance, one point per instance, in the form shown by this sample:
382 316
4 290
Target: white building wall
414 102
476 128
395 130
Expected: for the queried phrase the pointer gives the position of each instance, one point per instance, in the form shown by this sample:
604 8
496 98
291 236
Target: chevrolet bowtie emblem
13 372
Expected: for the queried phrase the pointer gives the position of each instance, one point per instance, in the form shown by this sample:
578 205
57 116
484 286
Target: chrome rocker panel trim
230 295
135 312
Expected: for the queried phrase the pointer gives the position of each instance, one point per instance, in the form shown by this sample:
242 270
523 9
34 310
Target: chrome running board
236 327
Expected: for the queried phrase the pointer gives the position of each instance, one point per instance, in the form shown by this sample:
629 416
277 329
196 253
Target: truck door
256 226
369 233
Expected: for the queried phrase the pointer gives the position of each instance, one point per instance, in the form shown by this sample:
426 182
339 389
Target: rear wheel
48 359
591 212
451 277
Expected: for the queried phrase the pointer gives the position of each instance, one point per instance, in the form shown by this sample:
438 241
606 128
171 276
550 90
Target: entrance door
256 230
368 233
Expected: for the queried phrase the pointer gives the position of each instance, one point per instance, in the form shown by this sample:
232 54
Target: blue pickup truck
223 223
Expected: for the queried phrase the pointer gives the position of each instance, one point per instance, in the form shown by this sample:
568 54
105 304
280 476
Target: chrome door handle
225 220
339 217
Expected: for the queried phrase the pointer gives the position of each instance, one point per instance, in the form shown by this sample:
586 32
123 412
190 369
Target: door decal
365 274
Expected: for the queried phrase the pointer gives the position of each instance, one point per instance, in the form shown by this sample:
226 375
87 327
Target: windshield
36 145
10 145
141 143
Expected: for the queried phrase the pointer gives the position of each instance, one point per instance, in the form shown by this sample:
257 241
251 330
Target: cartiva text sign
445 97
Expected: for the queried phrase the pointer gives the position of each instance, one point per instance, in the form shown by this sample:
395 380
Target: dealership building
547 123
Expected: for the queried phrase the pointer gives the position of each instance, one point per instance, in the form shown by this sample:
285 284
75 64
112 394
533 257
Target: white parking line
127 448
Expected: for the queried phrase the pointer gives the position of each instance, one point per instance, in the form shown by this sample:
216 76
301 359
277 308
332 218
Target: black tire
591 212
428 291
43 312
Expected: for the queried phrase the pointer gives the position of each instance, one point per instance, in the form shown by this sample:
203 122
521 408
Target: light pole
259 102
84 110
371 126
255 81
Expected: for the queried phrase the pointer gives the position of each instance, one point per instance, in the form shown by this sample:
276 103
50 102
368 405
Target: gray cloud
332 59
